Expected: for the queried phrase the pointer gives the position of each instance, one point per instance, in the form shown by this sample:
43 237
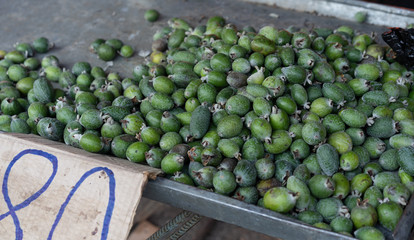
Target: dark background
395 3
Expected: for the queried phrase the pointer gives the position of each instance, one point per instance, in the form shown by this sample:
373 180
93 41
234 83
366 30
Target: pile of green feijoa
107 50
316 124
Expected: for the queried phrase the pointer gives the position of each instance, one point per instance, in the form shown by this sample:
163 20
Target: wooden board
53 191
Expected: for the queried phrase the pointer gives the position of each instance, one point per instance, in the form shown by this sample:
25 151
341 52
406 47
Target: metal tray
256 218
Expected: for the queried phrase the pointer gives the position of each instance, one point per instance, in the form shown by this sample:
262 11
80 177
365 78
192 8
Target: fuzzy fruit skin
247 194
342 224
310 217
120 144
280 142
406 159
382 179
373 194
328 159
321 186
279 199
265 168
131 124
313 133
342 186
369 233
229 126
172 163
388 214
323 225
296 185
182 178
353 118
200 121
136 152
331 208
349 161
91 143
341 141
245 173
361 182
397 192
364 215
50 128
224 182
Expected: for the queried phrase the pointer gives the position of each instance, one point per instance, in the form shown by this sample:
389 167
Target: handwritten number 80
14 208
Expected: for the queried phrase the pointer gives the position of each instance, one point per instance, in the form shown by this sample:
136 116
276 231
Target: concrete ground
73 25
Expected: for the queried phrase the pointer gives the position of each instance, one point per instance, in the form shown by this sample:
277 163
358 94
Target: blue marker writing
109 208
13 209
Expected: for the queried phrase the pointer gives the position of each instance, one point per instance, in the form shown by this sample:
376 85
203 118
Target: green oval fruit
367 71
330 208
369 233
154 157
18 125
150 135
172 163
375 147
382 179
50 128
342 224
65 114
342 186
341 141
397 192
136 152
238 105
324 72
229 148
357 136
224 182
245 173
210 156
106 52
298 186
353 118
229 126
389 213
11 106
364 215
328 159
280 142
120 144
263 45
321 186
247 194
161 101
132 124
313 133
169 140
349 161
91 142
279 199
333 123
200 121
361 182
406 159
310 217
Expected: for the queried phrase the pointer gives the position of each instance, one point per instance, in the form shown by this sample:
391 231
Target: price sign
53 191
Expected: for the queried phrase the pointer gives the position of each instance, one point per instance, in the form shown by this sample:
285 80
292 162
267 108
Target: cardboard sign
53 191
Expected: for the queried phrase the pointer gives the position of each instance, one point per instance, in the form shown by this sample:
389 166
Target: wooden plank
49 188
